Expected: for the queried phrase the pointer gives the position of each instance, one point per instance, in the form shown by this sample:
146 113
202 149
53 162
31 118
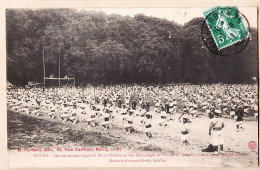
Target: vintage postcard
132 87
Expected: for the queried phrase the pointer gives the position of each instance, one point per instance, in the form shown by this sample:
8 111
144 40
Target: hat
217 112
185 109
210 148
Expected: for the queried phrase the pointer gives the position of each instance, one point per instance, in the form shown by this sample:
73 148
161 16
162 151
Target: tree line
100 48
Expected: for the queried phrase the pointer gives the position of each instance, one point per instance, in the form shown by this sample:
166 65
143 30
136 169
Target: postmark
225 30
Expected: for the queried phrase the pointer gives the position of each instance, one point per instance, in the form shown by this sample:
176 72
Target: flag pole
74 81
59 69
43 66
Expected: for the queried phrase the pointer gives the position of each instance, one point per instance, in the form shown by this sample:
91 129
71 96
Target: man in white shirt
216 126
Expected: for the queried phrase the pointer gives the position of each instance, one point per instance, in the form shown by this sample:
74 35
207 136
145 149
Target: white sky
178 15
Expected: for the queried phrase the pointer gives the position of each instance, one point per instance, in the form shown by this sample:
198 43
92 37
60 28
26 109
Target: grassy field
29 132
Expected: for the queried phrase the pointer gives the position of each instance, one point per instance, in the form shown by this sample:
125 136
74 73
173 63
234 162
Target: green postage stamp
226 26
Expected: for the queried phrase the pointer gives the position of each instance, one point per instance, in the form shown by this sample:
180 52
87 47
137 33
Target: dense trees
101 48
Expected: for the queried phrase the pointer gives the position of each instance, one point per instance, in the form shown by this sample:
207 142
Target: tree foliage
102 48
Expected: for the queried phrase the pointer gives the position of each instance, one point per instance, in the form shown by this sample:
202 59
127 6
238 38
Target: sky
178 15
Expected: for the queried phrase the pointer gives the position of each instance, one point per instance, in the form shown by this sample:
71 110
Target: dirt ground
29 131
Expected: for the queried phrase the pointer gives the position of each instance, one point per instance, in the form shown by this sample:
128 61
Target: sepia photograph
134 87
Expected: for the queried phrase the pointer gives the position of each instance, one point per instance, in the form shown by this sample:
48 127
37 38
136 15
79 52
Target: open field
29 131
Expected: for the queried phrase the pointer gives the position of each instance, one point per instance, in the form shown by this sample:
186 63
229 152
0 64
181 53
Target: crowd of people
103 105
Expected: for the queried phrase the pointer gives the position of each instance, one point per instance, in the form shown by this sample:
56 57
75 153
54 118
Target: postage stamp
233 49
226 26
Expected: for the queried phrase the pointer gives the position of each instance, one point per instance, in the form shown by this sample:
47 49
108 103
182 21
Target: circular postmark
252 145
215 31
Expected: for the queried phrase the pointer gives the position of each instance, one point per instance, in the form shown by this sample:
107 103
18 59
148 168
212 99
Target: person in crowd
128 122
239 113
216 131
148 126
185 130
106 123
